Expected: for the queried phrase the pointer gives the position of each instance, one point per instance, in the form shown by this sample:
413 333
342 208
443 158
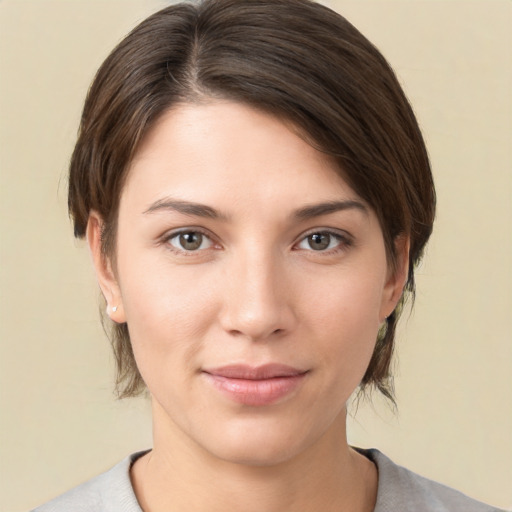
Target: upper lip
266 371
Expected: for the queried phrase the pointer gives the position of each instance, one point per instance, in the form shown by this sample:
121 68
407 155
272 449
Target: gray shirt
399 490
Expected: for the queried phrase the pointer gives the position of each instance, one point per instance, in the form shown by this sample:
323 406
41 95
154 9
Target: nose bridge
256 303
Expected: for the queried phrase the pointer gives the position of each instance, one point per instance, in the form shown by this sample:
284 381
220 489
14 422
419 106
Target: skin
257 290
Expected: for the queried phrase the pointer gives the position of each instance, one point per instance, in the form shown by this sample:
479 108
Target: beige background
59 422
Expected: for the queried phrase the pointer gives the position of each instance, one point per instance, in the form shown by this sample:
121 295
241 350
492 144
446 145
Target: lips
255 386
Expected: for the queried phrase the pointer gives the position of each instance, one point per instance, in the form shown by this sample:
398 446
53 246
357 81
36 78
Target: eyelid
345 238
165 239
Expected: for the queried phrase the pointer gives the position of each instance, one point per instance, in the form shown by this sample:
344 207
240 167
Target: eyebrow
317 210
186 208
202 210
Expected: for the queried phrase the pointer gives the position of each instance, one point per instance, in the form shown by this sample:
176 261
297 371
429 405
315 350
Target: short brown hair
294 59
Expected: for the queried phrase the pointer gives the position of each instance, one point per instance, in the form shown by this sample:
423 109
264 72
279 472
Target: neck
180 476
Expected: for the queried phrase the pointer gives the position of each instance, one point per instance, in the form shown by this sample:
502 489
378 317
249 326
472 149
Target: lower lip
256 392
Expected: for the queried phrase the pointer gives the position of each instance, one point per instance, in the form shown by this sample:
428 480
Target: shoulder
109 492
400 489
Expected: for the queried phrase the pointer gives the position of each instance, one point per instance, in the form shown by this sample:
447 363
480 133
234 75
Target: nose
257 301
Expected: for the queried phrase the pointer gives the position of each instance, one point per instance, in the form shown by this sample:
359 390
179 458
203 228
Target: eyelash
192 230
344 240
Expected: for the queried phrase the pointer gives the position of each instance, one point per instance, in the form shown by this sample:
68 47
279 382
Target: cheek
345 317
167 314
349 302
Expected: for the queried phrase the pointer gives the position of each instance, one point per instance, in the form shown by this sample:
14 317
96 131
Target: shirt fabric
399 490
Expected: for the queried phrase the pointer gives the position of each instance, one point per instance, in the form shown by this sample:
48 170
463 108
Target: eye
321 241
190 241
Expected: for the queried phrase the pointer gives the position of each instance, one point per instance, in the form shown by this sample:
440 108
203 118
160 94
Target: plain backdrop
59 421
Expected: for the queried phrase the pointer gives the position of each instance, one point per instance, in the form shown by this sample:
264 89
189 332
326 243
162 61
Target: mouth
255 386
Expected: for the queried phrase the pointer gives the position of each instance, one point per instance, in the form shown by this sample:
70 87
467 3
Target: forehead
223 148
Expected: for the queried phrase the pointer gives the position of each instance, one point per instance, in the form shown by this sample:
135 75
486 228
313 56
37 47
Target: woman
256 194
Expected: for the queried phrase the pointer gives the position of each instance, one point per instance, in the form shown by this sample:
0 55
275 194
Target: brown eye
190 241
323 241
319 241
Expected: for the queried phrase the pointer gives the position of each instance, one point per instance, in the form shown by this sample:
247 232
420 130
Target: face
253 281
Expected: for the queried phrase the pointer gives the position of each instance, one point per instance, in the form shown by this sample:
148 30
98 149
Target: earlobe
397 278
104 271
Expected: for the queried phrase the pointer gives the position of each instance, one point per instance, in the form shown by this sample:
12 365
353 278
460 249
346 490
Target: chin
260 443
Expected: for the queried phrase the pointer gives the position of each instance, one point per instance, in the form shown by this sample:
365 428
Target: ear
104 271
397 277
